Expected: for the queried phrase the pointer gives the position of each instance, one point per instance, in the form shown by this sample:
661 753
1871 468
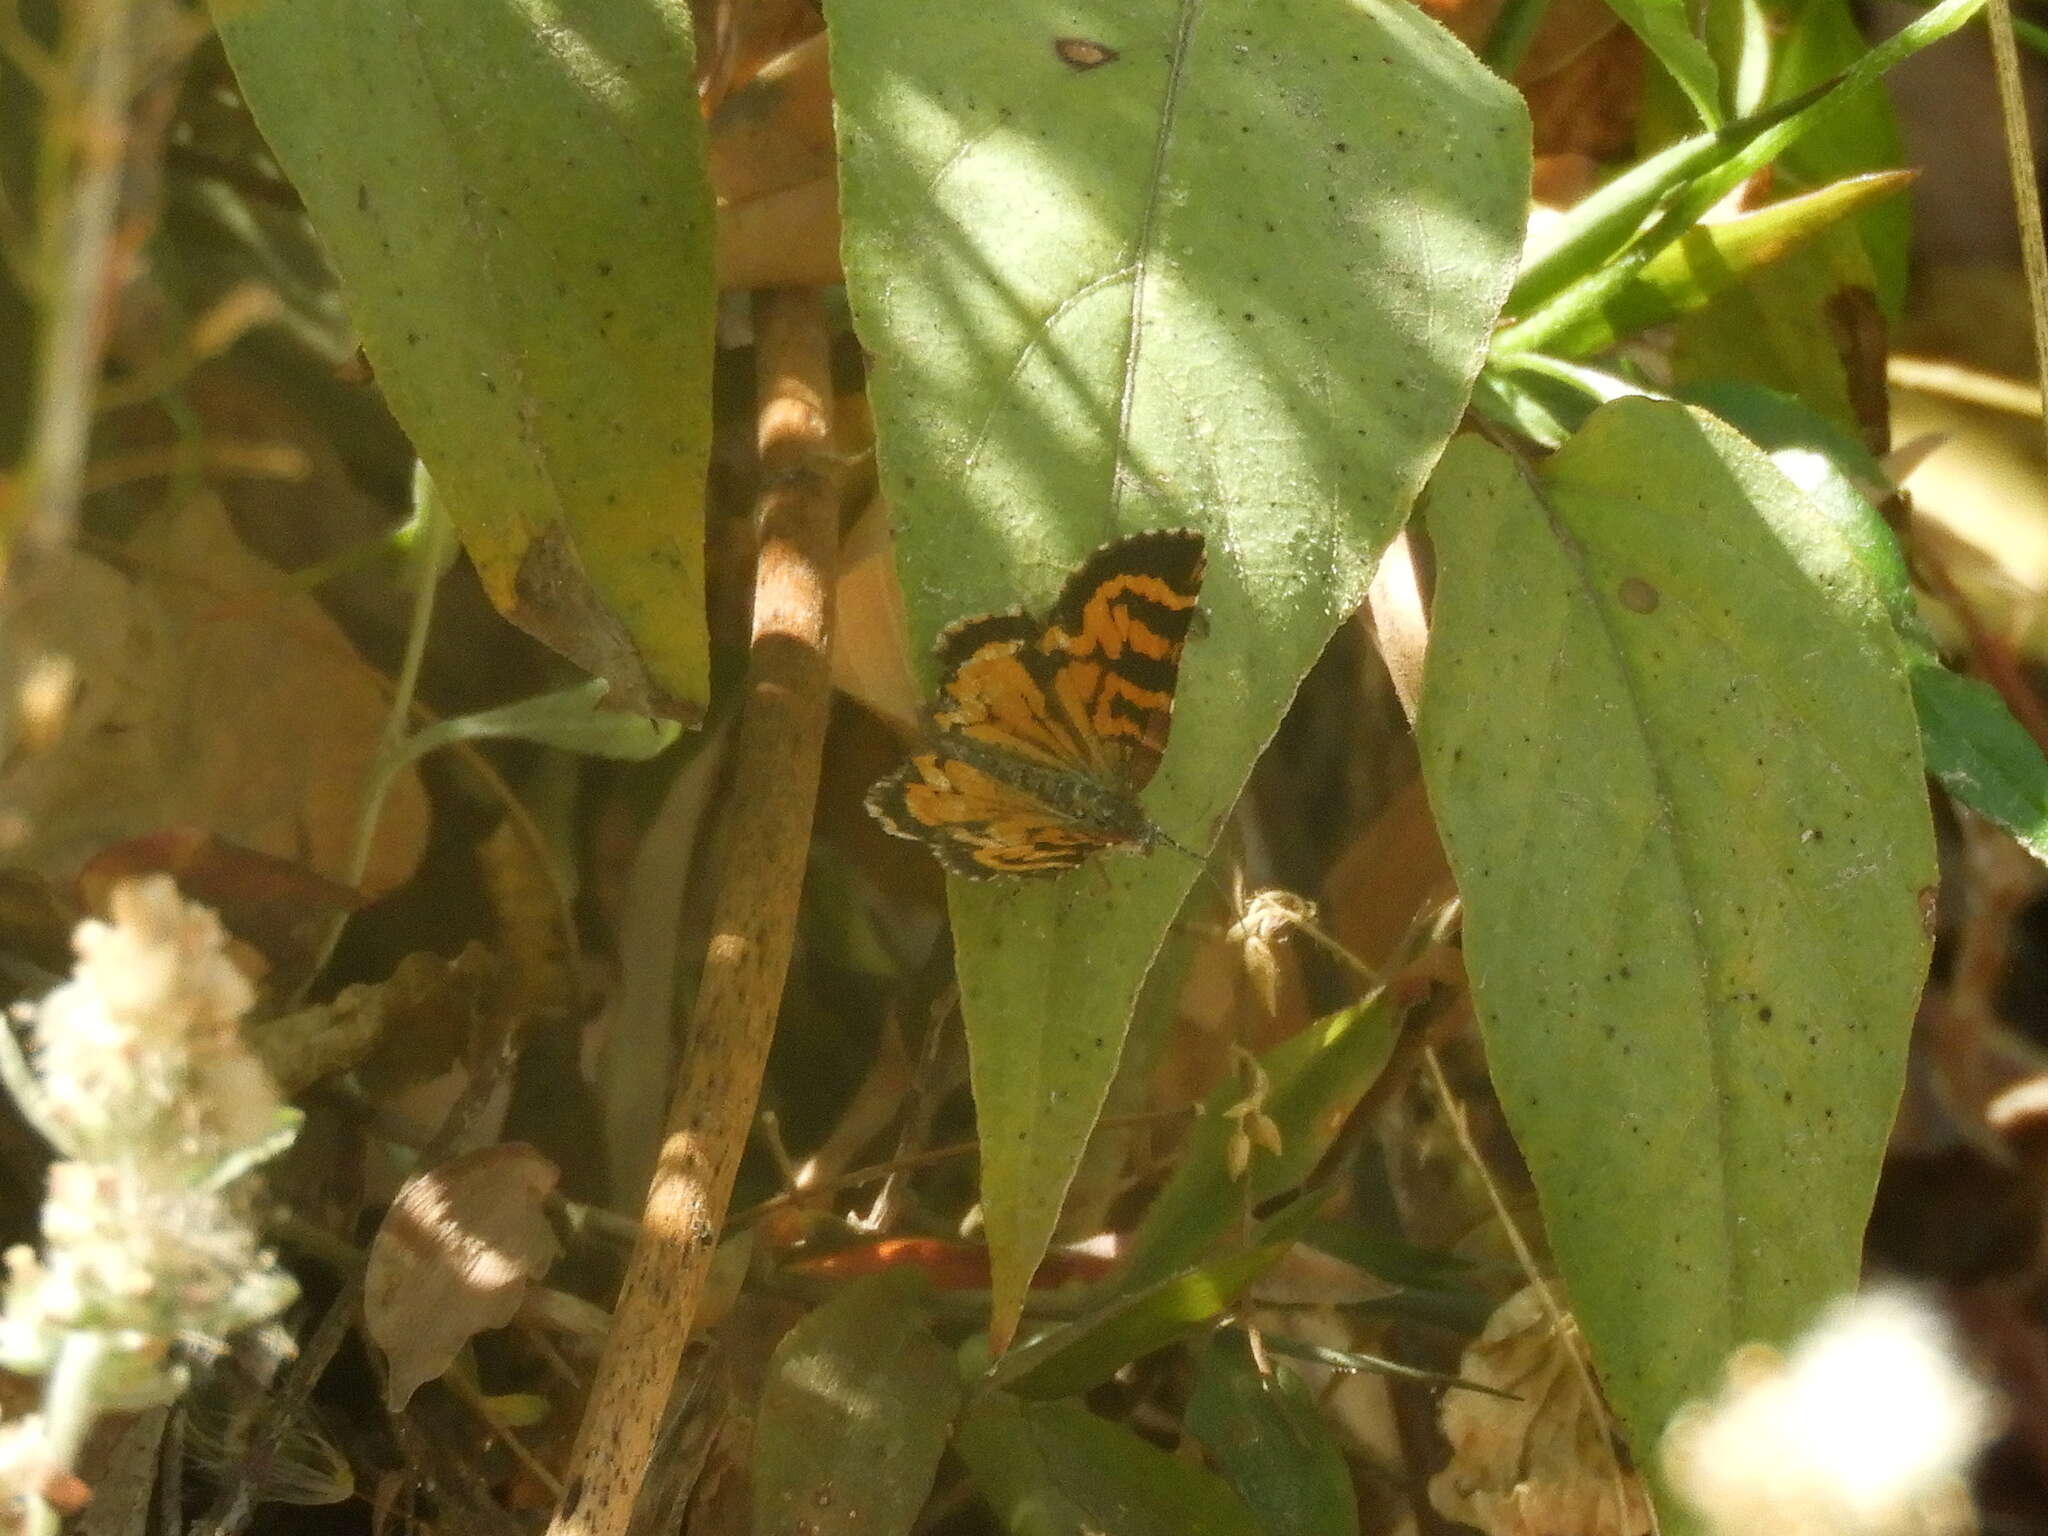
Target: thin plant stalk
2026 190
70 1404
78 187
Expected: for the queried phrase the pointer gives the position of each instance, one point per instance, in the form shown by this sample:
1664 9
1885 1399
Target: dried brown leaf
205 691
1383 880
1308 1277
534 934
869 659
1544 1462
1582 73
281 909
428 1008
453 1258
775 132
775 169
785 239
737 38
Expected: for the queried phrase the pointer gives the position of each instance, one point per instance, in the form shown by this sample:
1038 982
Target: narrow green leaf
1374 1365
1386 1256
1546 399
1738 36
1814 41
1668 736
1981 755
1269 1439
572 719
1091 313
515 197
1599 225
1081 1354
1315 1078
1544 410
1712 258
1054 1469
1514 27
1593 290
855 1413
1850 89
1665 26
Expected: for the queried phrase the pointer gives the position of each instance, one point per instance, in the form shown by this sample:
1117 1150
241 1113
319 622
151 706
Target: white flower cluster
1864 1429
142 1080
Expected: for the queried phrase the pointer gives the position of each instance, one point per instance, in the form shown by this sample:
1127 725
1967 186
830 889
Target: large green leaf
1712 258
515 197
855 1413
1054 1469
1668 735
1975 749
1229 265
1263 1428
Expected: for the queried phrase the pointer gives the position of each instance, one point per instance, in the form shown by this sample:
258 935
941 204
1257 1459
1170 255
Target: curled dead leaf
453 1258
428 1007
1545 1462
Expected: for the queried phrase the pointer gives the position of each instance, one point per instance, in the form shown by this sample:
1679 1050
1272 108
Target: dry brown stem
775 780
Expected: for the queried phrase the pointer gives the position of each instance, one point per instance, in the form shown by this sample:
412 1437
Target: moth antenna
1161 835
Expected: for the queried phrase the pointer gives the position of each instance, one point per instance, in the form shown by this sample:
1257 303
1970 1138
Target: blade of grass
2026 195
1589 294
1712 258
1665 28
1512 31
1599 225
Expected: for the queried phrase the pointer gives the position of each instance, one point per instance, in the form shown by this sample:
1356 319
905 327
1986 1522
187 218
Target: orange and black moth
1045 730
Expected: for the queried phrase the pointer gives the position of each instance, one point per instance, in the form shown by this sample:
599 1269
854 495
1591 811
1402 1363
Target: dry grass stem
780 743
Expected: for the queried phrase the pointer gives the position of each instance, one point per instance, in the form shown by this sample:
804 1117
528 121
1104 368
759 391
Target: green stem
2026 190
1513 30
70 1404
78 187
430 561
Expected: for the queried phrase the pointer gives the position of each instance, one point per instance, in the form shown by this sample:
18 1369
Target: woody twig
775 778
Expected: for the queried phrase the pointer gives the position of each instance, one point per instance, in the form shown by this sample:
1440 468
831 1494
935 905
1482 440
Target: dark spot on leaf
1083 53
1638 596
